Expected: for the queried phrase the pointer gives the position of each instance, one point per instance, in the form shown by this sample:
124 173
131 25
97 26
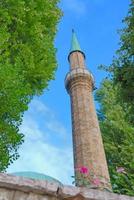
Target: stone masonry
87 141
19 188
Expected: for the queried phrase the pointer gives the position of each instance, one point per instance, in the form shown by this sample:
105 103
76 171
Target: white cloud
58 128
39 107
76 6
44 115
38 153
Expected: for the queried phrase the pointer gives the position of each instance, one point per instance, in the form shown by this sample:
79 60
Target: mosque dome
37 176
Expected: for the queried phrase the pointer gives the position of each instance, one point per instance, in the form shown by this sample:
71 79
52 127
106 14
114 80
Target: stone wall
19 188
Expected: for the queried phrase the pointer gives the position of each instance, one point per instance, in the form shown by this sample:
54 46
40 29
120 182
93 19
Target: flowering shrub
122 181
84 177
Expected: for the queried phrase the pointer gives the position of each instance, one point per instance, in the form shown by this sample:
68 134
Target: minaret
87 141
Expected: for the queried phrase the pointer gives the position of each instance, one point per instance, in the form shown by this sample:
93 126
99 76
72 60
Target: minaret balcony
78 73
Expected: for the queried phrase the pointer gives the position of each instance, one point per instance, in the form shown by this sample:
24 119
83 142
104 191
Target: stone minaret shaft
87 141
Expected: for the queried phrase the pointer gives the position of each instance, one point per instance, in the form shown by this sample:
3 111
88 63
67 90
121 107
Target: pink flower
120 170
84 170
96 181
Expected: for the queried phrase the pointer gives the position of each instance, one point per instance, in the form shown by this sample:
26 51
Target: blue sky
47 123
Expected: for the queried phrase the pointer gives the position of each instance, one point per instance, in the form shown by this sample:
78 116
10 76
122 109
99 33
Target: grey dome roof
37 176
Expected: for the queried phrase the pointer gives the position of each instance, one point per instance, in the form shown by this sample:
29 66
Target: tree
123 64
27 64
116 113
118 136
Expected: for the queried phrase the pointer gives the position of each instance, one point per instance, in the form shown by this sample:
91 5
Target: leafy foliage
116 113
123 65
118 136
27 63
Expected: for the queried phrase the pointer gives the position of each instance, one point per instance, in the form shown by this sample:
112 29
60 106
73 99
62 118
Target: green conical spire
75 46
